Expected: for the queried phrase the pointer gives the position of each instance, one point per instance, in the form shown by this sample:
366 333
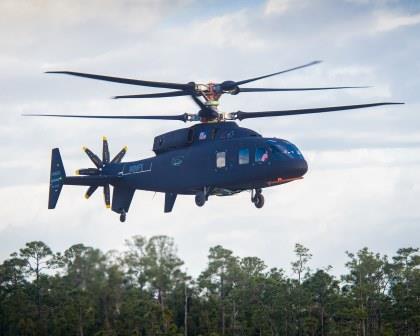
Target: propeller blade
90 191
182 117
300 89
120 155
97 161
107 196
276 73
105 150
87 171
164 85
240 115
156 95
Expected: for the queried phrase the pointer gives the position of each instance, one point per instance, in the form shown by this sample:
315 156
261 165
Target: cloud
388 21
363 181
280 7
233 30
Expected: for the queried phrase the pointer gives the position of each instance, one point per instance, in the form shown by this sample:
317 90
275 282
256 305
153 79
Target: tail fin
57 177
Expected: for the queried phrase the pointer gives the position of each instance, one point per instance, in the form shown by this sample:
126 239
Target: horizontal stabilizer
88 180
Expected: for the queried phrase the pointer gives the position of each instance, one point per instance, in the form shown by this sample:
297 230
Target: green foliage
143 291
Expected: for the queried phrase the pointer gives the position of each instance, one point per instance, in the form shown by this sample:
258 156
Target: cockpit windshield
286 148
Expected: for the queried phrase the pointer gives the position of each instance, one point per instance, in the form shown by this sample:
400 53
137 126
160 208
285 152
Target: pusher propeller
101 164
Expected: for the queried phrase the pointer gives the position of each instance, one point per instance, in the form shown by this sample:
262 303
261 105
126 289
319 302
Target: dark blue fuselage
223 157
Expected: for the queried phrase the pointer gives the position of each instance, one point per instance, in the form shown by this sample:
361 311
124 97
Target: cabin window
220 159
261 154
243 157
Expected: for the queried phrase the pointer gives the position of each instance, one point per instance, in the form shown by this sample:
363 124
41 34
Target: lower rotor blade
240 115
90 191
300 89
105 150
87 171
97 161
107 196
120 155
156 95
182 117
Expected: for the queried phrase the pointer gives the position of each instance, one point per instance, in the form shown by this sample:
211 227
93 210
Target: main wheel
123 217
258 201
200 199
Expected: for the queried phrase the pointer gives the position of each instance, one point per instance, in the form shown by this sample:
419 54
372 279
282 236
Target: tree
301 264
324 290
368 283
156 266
405 290
217 281
36 255
143 291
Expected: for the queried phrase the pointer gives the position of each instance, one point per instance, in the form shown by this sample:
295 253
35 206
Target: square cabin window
261 154
220 159
243 156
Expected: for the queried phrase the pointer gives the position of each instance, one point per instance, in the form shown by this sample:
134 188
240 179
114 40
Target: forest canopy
145 290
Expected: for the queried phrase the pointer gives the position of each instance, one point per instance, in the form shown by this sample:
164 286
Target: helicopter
213 157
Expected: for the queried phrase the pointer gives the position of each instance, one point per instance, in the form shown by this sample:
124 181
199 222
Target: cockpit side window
285 148
261 154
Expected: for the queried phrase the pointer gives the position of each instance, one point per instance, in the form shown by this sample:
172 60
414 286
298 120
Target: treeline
145 291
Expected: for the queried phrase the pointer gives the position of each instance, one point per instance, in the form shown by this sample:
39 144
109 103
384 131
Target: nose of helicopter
294 168
301 167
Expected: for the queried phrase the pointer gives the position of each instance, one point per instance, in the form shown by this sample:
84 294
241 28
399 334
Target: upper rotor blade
300 89
276 73
182 117
156 95
140 82
247 115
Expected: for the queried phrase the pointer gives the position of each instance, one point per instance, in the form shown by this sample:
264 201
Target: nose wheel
258 199
200 198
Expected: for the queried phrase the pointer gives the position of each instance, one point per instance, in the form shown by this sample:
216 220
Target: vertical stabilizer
57 177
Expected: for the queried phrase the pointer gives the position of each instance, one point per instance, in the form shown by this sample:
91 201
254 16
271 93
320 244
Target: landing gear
200 198
123 216
258 199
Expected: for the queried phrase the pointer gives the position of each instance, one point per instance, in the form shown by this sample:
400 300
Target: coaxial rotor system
211 93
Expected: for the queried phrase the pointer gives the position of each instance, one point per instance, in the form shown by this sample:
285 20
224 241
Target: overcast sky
363 184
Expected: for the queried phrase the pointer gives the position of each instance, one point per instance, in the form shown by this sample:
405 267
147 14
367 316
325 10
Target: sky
363 184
